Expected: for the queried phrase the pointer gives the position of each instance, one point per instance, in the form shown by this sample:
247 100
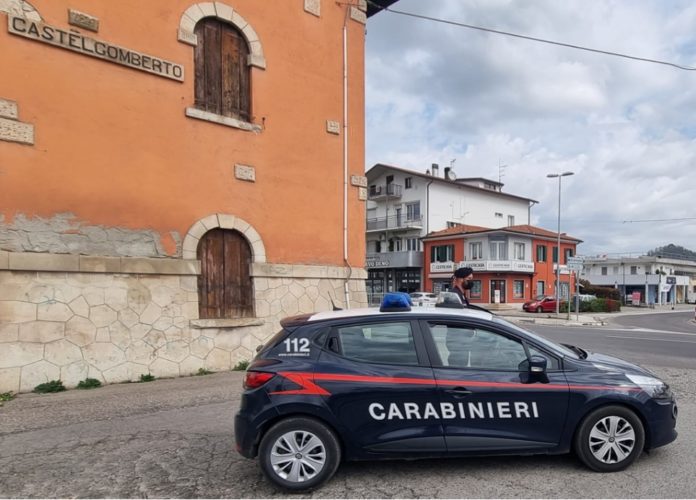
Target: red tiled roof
523 229
459 229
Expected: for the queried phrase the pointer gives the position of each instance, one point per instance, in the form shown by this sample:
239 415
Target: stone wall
116 325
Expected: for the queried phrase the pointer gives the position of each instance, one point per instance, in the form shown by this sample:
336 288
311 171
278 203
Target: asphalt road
663 339
174 438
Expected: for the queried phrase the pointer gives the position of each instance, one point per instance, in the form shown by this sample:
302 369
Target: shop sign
441 267
92 47
377 263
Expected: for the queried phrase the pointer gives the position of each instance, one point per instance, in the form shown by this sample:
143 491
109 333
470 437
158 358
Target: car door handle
459 392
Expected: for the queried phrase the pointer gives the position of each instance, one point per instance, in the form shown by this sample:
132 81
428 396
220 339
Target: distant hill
673 252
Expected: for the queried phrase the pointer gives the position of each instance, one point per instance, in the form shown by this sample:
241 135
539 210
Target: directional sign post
575 265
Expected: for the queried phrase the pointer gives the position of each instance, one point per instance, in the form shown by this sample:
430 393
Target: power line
531 38
659 220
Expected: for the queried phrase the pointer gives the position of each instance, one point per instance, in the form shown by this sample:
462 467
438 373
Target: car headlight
655 387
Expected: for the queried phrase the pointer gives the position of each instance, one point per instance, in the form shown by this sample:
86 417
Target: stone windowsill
225 323
222 120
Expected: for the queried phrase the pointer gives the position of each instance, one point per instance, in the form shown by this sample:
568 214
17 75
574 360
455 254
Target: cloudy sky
626 128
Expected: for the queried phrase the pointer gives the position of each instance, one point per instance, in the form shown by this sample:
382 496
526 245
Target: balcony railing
394 222
384 191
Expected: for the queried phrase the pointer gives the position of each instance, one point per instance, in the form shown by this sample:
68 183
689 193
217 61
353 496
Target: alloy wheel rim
612 440
298 456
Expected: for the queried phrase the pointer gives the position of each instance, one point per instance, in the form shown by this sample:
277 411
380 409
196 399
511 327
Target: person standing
462 280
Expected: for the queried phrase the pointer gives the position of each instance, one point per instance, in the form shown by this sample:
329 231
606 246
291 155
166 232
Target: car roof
374 312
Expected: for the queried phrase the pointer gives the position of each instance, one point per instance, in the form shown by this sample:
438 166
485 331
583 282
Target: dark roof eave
376 6
439 179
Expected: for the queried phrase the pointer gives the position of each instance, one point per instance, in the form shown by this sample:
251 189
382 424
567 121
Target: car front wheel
610 439
299 454
539 309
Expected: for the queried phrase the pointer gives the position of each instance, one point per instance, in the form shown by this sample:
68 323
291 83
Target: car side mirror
537 364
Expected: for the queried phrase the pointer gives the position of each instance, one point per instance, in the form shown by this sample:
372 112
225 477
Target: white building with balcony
404 205
658 280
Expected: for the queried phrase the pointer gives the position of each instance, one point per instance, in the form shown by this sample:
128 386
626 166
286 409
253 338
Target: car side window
390 343
476 348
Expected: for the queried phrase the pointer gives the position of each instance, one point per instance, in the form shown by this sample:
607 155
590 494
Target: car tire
539 309
609 439
299 454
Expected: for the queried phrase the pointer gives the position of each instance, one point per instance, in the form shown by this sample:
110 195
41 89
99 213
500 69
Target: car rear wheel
610 439
539 309
299 453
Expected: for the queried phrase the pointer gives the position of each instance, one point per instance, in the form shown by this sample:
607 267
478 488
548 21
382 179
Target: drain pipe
345 159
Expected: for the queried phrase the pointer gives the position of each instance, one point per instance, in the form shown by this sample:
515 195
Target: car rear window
390 343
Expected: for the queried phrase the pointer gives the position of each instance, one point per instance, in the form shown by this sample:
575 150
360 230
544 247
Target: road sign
671 280
576 260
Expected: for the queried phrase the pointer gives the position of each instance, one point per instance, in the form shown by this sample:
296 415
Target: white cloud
437 92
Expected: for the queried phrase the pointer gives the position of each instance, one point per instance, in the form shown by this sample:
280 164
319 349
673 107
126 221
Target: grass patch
147 377
241 366
89 383
52 386
203 371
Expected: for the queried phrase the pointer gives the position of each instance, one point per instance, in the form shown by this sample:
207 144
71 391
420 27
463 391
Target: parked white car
423 298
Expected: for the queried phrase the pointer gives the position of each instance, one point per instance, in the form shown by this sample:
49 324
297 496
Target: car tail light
254 380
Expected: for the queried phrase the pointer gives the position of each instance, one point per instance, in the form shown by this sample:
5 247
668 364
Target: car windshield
541 340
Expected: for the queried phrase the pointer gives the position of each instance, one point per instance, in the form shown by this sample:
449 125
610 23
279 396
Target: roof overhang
374 6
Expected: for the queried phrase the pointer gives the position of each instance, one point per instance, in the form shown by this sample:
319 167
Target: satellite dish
451 175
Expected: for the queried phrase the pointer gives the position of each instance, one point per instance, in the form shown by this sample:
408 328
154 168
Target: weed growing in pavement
203 371
6 396
52 386
89 383
147 377
241 366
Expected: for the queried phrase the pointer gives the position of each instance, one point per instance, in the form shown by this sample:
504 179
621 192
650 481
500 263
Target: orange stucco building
512 264
176 177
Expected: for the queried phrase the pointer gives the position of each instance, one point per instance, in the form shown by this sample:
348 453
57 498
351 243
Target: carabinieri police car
367 384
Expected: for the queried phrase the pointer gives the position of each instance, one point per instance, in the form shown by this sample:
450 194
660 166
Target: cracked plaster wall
64 234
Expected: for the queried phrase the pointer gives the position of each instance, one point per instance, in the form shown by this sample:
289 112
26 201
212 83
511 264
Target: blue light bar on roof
395 302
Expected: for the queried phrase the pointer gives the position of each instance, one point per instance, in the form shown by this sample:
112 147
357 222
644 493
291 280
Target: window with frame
567 253
408 182
413 210
476 250
499 215
390 343
511 220
442 253
498 250
518 289
475 292
413 244
225 288
541 288
519 251
604 270
222 75
634 269
541 253
555 255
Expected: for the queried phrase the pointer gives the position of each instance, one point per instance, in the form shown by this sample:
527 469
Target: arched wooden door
225 288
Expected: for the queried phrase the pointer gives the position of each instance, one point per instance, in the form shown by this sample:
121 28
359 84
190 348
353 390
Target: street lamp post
558 242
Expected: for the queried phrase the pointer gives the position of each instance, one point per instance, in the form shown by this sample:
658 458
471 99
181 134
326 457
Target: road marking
648 330
655 340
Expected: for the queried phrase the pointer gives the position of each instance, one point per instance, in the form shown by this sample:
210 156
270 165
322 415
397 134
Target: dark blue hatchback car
431 382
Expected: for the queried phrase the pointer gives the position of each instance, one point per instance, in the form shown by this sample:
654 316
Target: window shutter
222 74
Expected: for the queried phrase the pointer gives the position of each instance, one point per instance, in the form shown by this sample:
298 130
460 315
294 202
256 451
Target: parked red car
541 304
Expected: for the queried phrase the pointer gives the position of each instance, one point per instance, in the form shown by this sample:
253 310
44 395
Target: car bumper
662 423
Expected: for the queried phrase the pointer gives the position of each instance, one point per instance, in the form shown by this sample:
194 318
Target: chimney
447 170
435 169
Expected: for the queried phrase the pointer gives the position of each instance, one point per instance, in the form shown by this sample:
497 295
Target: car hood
611 362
